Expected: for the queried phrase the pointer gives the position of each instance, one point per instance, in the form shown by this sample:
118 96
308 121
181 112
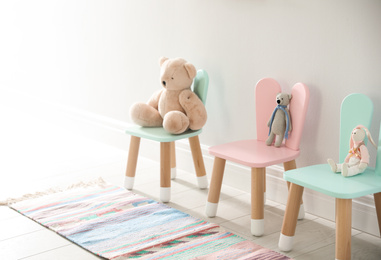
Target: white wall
101 56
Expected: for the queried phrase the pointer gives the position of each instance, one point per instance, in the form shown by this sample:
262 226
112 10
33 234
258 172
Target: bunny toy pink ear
367 134
351 143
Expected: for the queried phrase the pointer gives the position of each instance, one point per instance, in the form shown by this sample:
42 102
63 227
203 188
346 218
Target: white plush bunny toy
358 156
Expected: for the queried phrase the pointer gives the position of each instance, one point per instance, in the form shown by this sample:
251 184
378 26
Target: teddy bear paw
145 115
269 141
175 122
278 141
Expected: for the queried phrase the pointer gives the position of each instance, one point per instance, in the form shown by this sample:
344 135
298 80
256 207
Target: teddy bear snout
278 101
164 83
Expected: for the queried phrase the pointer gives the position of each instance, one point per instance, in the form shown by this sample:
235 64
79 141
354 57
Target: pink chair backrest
265 103
298 110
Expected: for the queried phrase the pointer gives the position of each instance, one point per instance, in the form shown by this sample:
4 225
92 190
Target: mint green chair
167 147
356 109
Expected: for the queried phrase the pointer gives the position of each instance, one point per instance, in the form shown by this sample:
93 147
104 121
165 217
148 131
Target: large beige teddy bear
175 107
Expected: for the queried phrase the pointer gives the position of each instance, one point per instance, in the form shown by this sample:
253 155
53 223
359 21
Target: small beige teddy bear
175 107
280 121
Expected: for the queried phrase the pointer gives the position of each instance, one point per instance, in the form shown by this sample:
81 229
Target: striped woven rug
114 223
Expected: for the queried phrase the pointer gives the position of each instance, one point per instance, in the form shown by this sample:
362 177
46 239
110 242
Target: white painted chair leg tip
129 182
202 182
257 227
285 243
301 212
211 209
165 194
173 173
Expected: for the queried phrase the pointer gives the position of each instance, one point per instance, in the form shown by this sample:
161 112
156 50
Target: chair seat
253 153
159 133
321 178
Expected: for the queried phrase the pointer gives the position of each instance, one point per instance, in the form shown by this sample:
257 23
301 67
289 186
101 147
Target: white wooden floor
37 155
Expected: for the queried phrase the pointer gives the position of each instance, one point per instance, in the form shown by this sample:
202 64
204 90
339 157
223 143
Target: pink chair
255 154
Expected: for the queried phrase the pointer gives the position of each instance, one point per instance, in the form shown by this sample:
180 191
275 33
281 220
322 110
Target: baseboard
111 132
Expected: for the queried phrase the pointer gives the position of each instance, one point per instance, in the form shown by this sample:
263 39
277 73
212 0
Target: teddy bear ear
162 60
289 96
191 70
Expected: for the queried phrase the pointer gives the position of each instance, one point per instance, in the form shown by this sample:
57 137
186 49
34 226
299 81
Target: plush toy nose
278 101
164 83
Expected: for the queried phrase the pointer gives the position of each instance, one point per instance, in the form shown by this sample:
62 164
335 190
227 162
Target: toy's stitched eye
171 77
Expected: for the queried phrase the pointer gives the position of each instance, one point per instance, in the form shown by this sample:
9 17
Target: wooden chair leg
257 201
198 161
264 190
290 217
290 166
132 162
343 228
377 202
173 161
165 172
215 187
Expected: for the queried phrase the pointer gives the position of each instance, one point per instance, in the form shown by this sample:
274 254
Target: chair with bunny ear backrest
356 109
167 147
298 110
265 94
255 154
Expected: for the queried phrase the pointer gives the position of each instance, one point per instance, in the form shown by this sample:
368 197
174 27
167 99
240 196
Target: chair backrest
298 111
266 91
201 84
356 109
378 160
265 96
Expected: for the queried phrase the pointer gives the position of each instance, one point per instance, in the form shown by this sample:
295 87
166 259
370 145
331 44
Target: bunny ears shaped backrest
266 89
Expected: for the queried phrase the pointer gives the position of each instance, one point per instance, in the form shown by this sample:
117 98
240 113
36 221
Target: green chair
356 109
167 147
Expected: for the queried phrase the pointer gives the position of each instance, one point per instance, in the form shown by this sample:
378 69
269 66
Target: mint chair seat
167 147
356 109
368 182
